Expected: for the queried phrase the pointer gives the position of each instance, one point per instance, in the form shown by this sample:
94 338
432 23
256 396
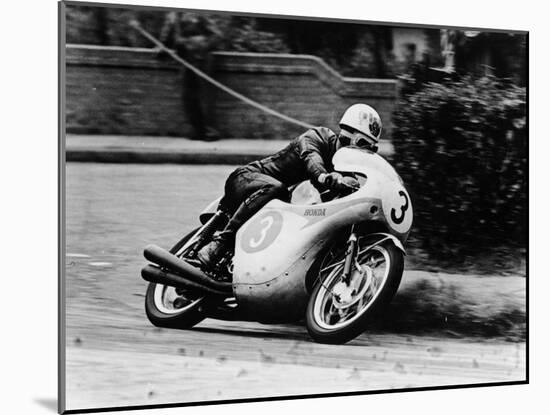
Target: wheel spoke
375 264
169 301
340 306
331 266
359 304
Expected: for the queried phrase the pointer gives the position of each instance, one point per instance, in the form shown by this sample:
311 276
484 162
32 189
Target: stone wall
117 90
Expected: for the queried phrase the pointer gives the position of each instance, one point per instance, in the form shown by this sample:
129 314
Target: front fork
351 253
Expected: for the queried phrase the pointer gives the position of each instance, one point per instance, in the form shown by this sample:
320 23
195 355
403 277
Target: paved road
116 358
139 149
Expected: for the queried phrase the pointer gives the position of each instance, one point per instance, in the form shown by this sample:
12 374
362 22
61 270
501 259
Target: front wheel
337 311
170 307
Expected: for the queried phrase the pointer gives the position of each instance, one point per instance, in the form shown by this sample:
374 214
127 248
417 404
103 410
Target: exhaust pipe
167 260
154 274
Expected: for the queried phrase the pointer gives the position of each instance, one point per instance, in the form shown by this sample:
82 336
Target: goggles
357 139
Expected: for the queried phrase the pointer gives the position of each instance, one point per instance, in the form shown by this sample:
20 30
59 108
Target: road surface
115 357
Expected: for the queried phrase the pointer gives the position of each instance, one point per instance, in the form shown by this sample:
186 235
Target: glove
330 180
350 183
335 181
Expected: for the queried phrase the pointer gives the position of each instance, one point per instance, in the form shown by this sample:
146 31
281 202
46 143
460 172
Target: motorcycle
338 261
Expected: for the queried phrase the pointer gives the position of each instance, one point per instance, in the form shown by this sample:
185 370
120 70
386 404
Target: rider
309 156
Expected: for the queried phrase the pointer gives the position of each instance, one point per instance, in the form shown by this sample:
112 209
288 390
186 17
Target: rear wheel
170 307
338 311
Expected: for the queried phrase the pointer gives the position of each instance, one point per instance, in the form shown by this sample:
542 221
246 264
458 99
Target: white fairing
382 179
361 161
275 248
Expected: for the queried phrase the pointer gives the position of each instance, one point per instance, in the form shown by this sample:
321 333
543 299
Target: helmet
361 125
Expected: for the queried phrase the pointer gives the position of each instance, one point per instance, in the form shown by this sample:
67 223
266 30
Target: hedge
461 148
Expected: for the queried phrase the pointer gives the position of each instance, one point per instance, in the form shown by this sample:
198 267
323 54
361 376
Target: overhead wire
135 24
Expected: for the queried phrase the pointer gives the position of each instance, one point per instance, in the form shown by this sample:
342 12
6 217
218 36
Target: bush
461 148
243 36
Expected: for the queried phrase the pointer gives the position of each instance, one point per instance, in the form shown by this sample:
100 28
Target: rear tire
321 328
157 308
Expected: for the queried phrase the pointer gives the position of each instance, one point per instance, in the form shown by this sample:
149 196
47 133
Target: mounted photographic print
270 207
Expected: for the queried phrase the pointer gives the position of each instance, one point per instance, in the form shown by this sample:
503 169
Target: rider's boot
212 253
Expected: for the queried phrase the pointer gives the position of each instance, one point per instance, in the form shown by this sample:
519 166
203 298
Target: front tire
165 307
339 312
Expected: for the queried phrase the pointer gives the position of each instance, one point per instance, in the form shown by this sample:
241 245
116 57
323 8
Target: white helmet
361 122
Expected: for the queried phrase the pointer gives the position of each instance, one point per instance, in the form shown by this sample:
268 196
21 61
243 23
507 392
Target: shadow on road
267 334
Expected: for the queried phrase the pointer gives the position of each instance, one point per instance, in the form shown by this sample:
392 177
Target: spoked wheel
340 310
171 307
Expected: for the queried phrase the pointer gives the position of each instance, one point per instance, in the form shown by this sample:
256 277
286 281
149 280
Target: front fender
382 237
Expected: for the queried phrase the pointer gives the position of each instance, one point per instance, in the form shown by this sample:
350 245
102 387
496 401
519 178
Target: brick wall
115 90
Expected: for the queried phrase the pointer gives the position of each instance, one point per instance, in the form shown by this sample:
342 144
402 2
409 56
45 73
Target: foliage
371 57
461 147
109 26
359 50
501 54
354 50
243 35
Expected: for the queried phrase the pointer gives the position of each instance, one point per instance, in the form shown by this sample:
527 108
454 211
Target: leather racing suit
250 187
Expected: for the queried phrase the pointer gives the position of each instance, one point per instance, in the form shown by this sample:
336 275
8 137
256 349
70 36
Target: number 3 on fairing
397 220
267 222
261 232
398 209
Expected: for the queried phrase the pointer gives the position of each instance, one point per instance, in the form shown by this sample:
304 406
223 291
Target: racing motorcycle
338 260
